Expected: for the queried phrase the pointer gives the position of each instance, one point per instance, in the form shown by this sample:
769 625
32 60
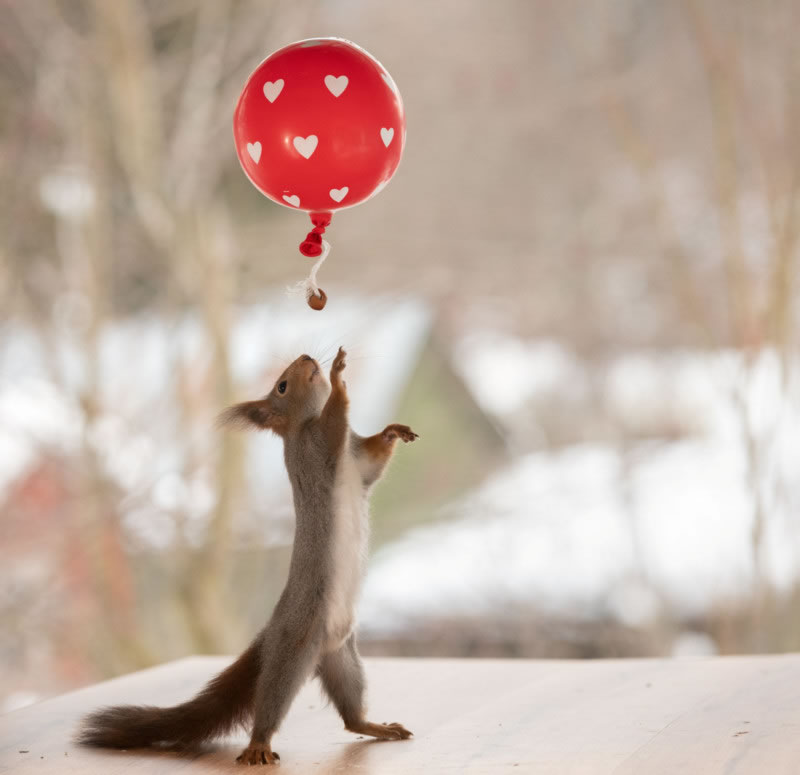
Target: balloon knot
311 246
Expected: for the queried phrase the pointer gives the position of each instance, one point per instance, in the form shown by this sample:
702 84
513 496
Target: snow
68 193
606 528
504 372
33 415
559 531
147 365
17 700
601 528
694 644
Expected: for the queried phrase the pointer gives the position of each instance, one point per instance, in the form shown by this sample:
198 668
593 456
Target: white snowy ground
572 531
567 531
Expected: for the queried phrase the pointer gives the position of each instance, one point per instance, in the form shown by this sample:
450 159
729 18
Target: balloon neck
311 246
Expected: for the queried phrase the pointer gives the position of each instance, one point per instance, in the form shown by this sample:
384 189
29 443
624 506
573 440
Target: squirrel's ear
258 415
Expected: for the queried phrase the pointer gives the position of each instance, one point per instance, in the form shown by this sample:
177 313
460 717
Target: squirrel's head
298 394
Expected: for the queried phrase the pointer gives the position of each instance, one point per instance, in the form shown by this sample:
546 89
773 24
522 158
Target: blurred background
580 289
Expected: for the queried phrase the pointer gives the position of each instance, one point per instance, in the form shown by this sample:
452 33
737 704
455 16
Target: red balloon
319 127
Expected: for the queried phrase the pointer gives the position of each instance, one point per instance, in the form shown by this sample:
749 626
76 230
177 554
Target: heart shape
293 200
254 149
305 145
387 135
389 82
272 89
336 85
337 194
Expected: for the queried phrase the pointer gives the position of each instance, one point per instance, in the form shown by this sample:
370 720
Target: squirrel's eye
282 387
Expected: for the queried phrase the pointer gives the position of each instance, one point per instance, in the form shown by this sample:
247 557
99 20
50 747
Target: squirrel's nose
307 358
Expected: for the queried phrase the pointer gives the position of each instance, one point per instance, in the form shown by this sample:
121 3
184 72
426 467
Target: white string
308 287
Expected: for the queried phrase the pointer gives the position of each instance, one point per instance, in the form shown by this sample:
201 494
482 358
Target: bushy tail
225 702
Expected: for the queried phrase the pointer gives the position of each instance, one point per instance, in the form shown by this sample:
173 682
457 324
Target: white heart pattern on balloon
254 149
272 89
336 85
387 135
293 200
305 145
337 194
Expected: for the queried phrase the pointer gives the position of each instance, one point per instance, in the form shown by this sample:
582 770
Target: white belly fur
349 549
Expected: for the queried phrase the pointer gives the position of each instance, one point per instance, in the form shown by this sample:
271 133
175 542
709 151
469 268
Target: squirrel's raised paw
258 754
339 362
396 431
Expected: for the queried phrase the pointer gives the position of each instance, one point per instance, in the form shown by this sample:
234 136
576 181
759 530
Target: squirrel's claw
337 367
397 431
402 732
339 362
258 754
392 731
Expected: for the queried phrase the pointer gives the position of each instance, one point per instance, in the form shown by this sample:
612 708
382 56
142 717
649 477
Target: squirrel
312 629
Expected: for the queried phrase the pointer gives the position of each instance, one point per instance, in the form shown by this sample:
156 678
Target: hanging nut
318 302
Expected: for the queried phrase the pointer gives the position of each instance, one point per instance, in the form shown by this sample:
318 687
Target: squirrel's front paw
396 431
339 363
258 754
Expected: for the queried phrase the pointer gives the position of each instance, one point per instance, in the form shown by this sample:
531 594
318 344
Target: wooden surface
731 715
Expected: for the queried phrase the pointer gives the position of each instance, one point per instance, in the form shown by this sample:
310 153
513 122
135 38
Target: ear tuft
246 416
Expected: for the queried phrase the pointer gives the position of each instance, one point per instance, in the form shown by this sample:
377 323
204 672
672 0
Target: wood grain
732 715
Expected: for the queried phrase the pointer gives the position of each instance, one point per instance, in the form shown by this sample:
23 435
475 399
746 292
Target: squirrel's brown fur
332 470
224 704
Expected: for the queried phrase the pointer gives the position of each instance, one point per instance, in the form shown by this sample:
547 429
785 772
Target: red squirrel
312 629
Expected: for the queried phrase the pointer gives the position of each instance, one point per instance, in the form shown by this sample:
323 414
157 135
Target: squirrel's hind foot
258 754
392 731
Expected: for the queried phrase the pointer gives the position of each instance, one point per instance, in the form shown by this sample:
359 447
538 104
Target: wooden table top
732 715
